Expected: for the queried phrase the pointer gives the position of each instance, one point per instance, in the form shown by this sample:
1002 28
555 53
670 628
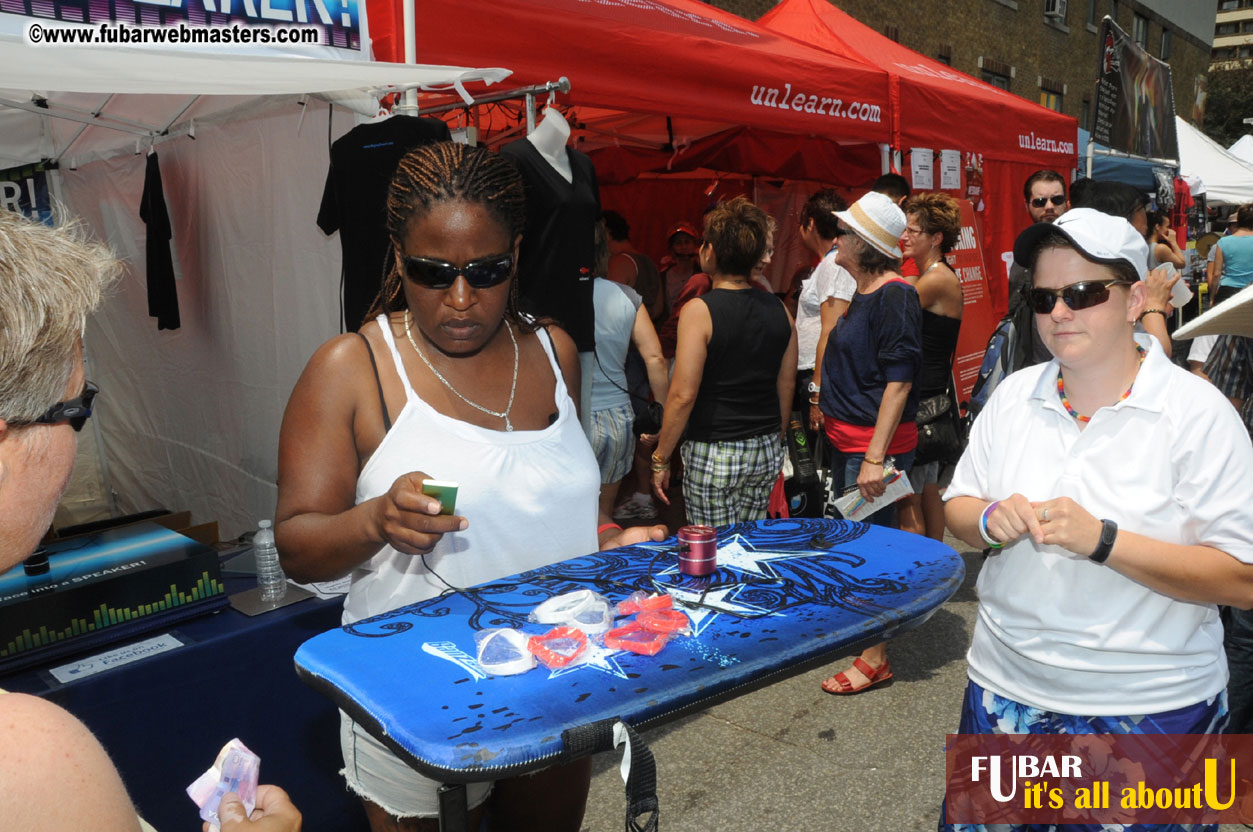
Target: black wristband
1161 312
1109 531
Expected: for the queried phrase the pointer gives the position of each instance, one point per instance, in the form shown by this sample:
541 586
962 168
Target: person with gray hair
56 774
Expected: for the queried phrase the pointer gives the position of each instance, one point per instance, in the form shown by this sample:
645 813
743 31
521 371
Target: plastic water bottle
270 577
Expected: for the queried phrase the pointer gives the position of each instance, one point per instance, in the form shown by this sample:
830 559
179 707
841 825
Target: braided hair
444 172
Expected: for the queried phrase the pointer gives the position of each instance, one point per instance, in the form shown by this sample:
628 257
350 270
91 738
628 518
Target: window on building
1166 38
1226 29
892 32
1083 114
1052 100
1140 30
945 54
1246 52
1246 26
1091 12
996 79
1228 5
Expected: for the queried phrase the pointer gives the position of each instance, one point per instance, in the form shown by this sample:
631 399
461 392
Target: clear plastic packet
503 651
664 621
639 601
635 639
236 769
559 647
584 609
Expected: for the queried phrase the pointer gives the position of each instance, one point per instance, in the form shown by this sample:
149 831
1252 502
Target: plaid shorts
730 482
612 441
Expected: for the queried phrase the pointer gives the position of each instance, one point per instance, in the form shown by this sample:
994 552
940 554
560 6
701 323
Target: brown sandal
840 685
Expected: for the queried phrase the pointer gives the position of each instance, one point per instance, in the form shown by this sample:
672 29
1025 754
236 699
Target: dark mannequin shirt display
354 200
557 260
162 290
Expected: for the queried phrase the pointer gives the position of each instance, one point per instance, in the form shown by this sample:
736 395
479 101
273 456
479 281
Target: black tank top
738 396
939 343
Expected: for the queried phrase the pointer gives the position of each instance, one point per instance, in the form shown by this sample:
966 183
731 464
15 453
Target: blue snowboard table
788 595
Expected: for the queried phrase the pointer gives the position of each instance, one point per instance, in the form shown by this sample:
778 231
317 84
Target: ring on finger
1045 516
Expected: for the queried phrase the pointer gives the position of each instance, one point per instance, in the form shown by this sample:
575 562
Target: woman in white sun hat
868 397
1114 489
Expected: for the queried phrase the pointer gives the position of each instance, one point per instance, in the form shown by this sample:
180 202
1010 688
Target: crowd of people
1099 601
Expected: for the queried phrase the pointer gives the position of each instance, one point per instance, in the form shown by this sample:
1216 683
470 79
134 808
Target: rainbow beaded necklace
1061 391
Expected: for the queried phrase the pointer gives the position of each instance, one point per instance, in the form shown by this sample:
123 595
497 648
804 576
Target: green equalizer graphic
106 616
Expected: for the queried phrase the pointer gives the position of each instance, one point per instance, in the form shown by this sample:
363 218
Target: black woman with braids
447 382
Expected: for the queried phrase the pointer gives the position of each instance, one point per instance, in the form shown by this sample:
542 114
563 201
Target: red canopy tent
666 86
677 59
934 106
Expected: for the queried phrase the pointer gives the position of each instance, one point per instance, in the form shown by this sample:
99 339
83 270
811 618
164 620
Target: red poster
979 317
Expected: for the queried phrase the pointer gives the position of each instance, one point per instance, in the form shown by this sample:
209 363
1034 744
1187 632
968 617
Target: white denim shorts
372 771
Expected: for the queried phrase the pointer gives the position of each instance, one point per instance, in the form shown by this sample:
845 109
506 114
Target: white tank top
530 497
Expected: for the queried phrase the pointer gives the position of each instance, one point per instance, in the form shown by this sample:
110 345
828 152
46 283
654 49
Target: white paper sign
101 662
921 160
950 170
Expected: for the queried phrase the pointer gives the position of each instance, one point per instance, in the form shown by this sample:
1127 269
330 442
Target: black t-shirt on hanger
354 201
558 240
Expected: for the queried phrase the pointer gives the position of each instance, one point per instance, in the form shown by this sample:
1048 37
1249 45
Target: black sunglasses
1081 295
1041 201
482 273
74 411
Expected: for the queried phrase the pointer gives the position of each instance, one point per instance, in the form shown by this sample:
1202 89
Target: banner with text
24 190
1108 779
1135 103
340 22
979 316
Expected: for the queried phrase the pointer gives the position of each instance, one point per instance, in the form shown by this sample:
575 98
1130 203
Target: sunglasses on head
1081 295
1041 201
74 411
482 273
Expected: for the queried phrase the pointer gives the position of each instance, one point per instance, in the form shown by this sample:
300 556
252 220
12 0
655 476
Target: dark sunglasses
482 273
1041 201
1081 295
74 411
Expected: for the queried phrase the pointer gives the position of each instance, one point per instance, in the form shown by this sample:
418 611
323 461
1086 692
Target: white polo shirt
828 280
1172 462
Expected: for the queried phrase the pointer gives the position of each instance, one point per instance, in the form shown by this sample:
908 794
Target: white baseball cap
877 220
1101 237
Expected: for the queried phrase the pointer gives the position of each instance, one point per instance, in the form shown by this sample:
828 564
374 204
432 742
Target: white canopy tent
1242 148
189 418
1228 179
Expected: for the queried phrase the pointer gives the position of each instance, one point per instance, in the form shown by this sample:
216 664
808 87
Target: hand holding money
274 813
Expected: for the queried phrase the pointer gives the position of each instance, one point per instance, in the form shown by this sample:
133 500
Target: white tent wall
190 417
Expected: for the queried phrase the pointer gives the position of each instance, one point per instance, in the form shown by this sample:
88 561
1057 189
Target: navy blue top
739 389
878 341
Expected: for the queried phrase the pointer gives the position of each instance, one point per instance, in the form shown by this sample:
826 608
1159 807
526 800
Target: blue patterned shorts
984 712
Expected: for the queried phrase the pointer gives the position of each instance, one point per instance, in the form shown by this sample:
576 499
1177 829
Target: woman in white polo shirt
1113 490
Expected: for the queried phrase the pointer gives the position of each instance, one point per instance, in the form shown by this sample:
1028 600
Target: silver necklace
513 387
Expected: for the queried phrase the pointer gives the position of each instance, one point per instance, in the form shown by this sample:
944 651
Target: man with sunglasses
55 773
1116 530
1044 194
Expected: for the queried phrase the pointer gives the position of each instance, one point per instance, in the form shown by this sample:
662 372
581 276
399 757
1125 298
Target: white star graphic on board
596 658
722 598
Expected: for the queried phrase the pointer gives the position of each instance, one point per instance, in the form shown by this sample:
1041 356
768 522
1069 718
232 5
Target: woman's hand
815 417
274 812
1159 283
635 534
1014 517
1065 523
870 480
661 482
409 520
649 440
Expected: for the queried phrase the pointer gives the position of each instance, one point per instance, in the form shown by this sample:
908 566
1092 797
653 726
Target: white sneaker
635 510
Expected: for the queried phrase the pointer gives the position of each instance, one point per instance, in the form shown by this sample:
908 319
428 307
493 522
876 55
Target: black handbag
939 433
648 418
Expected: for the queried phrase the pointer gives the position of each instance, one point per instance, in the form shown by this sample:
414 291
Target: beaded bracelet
1161 312
983 526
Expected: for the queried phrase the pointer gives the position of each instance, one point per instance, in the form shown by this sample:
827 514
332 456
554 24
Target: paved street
791 757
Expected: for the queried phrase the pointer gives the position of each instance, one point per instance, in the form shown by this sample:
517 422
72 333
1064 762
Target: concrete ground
791 757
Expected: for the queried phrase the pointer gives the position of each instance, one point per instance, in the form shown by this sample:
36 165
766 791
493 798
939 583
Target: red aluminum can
698 550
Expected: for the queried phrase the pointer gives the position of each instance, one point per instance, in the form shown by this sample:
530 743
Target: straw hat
877 220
